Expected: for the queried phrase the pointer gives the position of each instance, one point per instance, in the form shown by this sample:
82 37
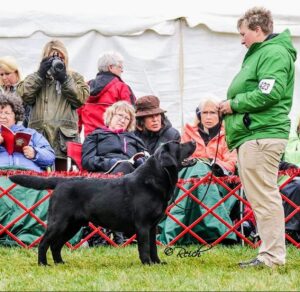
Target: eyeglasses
6 114
123 117
119 66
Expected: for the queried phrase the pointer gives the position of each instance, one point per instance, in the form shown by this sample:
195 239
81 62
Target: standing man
258 103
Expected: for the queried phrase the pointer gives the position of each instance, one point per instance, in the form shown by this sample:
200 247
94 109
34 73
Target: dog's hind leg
43 247
143 238
56 248
52 233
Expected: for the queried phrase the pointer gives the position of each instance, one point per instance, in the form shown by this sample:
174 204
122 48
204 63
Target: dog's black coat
133 203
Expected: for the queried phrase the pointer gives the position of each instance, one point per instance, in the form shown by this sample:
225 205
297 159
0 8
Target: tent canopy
181 51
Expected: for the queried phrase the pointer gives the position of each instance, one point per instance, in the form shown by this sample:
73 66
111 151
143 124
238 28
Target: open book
14 142
131 160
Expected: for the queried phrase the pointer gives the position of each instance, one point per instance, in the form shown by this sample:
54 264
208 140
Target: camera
57 65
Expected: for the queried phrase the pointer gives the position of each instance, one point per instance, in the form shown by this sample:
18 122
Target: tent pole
181 70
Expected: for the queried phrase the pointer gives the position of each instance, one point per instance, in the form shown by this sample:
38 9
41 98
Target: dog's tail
38 183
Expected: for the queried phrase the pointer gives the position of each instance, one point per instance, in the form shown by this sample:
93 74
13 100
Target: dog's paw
147 262
44 265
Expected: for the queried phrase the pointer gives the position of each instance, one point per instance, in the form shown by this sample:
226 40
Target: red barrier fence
5 192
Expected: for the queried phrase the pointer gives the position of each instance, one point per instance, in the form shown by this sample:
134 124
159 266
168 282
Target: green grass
119 269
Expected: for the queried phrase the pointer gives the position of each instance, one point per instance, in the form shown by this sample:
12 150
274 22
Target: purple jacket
44 153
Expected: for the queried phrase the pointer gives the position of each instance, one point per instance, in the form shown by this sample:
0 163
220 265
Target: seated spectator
212 155
152 126
106 89
103 148
38 154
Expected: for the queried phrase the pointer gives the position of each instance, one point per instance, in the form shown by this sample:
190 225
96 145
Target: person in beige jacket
55 92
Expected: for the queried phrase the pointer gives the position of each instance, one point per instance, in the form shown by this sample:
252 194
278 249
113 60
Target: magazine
14 142
131 160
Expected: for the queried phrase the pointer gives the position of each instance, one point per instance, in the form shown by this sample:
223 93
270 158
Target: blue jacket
44 153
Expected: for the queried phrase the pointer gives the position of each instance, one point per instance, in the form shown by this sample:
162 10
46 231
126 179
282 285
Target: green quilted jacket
54 107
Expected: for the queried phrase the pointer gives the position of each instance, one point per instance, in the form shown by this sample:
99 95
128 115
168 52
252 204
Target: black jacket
103 148
153 140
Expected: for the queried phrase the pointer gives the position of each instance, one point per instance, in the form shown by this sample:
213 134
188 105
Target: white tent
180 51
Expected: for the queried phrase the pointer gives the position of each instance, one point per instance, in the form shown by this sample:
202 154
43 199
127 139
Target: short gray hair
108 59
210 99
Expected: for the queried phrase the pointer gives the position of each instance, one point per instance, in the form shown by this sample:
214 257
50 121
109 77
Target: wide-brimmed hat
148 105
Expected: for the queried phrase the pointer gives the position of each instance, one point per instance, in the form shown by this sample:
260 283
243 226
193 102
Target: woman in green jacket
54 92
259 100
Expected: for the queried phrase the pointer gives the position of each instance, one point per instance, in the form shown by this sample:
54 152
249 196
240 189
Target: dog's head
174 153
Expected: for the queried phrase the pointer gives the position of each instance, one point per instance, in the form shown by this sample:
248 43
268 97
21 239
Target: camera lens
58 65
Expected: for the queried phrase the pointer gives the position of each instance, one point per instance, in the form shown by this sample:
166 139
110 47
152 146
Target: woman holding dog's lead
257 122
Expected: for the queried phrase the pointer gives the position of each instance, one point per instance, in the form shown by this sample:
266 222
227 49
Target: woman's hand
29 152
225 108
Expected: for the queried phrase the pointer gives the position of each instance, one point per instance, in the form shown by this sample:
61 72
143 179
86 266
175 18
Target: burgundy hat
148 105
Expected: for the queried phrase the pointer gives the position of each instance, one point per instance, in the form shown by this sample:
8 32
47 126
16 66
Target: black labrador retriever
133 203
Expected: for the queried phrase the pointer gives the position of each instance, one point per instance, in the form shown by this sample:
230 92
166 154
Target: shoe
252 263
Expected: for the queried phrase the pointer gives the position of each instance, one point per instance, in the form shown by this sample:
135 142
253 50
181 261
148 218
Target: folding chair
74 150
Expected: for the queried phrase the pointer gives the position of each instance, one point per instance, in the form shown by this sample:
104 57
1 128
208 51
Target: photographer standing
257 124
54 92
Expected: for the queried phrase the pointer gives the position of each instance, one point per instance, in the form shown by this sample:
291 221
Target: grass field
119 269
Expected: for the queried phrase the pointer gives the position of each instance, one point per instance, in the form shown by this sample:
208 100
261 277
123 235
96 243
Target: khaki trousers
258 162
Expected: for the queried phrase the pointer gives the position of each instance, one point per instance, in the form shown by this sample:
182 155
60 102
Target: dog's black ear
168 155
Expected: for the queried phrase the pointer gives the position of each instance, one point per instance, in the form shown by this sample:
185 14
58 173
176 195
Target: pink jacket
225 158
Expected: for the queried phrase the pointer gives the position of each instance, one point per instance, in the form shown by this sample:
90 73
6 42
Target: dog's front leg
143 245
153 247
